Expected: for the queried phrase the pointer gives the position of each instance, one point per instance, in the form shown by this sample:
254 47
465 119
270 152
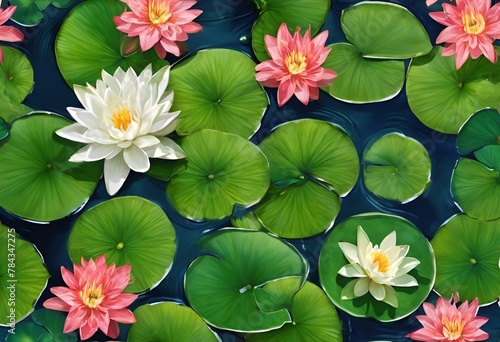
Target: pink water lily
94 298
446 322
161 24
473 26
295 65
8 33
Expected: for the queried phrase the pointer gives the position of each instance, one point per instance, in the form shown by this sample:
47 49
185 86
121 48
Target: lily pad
467 257
38 182
313 163
4 128
476 188
29 332
397 168
29 12
23 277
62 3
9 109
217 89
223 170
360 79
127 230
248 221
53 322
91 25
442 97
221 285
314 319
377 226
299 13
169 321
489 156
384 30
16 74
482 129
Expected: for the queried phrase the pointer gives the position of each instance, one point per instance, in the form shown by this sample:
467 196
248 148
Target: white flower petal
407 265
363 245
390 296
348 290
81 93
99 136
169 126
84 117
351 271
80 155
350 251
136 158
389 241
166 149
161 77
146 141
404 280
124 144
115 173
74 132
98 151
362 286
377 291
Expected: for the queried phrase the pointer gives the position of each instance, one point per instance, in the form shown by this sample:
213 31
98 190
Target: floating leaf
29 12
29 332
4 128
53 322
16 74
248 221
62 3
482 129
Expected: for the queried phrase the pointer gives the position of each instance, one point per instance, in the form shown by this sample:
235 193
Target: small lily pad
4 129
62 3
29 12
248 221
16 74
482 129
29 332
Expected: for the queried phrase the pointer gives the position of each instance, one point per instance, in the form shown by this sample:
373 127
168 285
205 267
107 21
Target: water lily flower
159 23
124 121
94 298
473 26
295 65
8 33
378 269
446 322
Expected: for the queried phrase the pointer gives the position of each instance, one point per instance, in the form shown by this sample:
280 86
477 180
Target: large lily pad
91 25
313 163
217 89
16 74
442 97
127 230
169 321
38 182
360 79
223 170
377 226
397 168
384 30
221 285
467 257
299 13
482 129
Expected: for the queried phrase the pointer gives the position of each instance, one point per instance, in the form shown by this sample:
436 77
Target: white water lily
378 269
124 121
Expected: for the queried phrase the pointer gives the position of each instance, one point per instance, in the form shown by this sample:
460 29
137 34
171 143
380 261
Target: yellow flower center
92 296
473 22
382 261
159 11
452 330
295 62
121 118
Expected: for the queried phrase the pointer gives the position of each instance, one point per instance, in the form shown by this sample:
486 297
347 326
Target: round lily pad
384 30
314 319
91 25
16 74
246 280
29 12
248 221
217 89
4 128
169 321
223 170
476 188
127 230
313 163
467 257
23 277
38 182
397 168
299 13
435 87
377 226
482 129
377 80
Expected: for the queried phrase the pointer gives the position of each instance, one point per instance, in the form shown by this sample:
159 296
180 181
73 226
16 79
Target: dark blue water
227 23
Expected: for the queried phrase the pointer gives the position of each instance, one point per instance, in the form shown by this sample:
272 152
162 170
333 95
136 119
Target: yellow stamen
452 330
159 11
121 118
382 261
92 296
295 62
473 22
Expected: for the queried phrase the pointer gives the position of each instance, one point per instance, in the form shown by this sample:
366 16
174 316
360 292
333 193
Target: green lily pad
217 89
29 332
360 79
223 170
276 294
4 128
53 322
62 3
467 257
23 277
482 129
476 189
248 221
313 163
91 25
38 182
397 168
377 226
384 30
299 13
435 87
10 110
16 74
489 156
127 230
29 12
221 285
169 321
314 319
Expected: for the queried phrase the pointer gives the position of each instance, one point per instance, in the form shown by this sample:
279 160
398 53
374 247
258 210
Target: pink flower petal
56 304
122 316
10 34
6 13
